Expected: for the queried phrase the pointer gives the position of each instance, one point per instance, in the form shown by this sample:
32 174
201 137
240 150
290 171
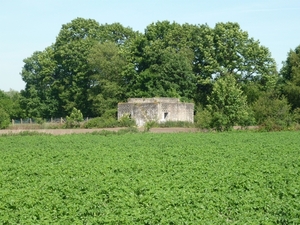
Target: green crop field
147 178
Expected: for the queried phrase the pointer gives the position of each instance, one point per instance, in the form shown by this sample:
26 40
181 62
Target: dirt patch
78 131
116 129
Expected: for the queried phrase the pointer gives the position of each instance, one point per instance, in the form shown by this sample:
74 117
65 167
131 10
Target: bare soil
77 131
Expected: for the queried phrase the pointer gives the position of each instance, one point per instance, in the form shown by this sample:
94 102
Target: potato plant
147 178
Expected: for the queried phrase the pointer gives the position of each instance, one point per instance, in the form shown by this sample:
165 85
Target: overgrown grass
177 124
25 133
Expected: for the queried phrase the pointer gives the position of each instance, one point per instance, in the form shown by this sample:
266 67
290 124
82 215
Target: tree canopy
92 67
290 73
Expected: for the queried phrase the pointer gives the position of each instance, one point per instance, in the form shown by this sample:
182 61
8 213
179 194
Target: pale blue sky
32 25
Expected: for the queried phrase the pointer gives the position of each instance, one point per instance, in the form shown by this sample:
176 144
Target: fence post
21 121
51 119
61 120
13 122
30 121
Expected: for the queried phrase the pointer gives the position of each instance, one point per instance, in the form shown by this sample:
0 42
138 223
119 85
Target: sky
32 25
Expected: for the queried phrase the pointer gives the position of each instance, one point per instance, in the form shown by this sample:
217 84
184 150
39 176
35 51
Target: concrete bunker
156 109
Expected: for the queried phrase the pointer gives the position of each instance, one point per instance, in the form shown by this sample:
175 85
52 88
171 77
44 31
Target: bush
272 113
203 119
39 120
126 121
176 124
4 119
74 119
296 115
270 124
227 104
109 122
150 124
101 122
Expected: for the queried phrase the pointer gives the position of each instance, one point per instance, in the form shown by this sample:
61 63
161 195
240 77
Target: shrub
39 120
126 121
106 122
4 119
150 124
74 119
101 122
296 115
203 119
272 113
176 124
227 104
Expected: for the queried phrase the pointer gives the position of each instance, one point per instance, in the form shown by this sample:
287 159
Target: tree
61 77
161 63
226 49
72 74
240 55
6 103
116 33
290 73
227 104
9 102
107 84
39 75
75 77
15 98
6 110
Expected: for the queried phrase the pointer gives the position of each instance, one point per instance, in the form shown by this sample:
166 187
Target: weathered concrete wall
153 100
176 112
141 112
156 109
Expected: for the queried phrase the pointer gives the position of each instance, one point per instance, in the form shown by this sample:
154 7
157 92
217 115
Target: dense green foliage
92 67
145 178
74 119
4 119
227 104
9 107
290 73
272 112
104 122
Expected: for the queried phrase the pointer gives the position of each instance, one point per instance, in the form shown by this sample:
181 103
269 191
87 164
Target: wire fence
40 121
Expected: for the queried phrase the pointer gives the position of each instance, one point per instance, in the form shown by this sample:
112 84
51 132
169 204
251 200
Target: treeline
231 78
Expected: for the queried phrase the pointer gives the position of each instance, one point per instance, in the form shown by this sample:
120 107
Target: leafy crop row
146 178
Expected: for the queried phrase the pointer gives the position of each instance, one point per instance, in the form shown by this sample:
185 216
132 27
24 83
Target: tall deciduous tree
116 33
162 63
107 84
240 55
72 75
227 49
74 47
290 72
227 104
39 75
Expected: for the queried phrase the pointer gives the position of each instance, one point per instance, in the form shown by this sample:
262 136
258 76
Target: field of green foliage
147 178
